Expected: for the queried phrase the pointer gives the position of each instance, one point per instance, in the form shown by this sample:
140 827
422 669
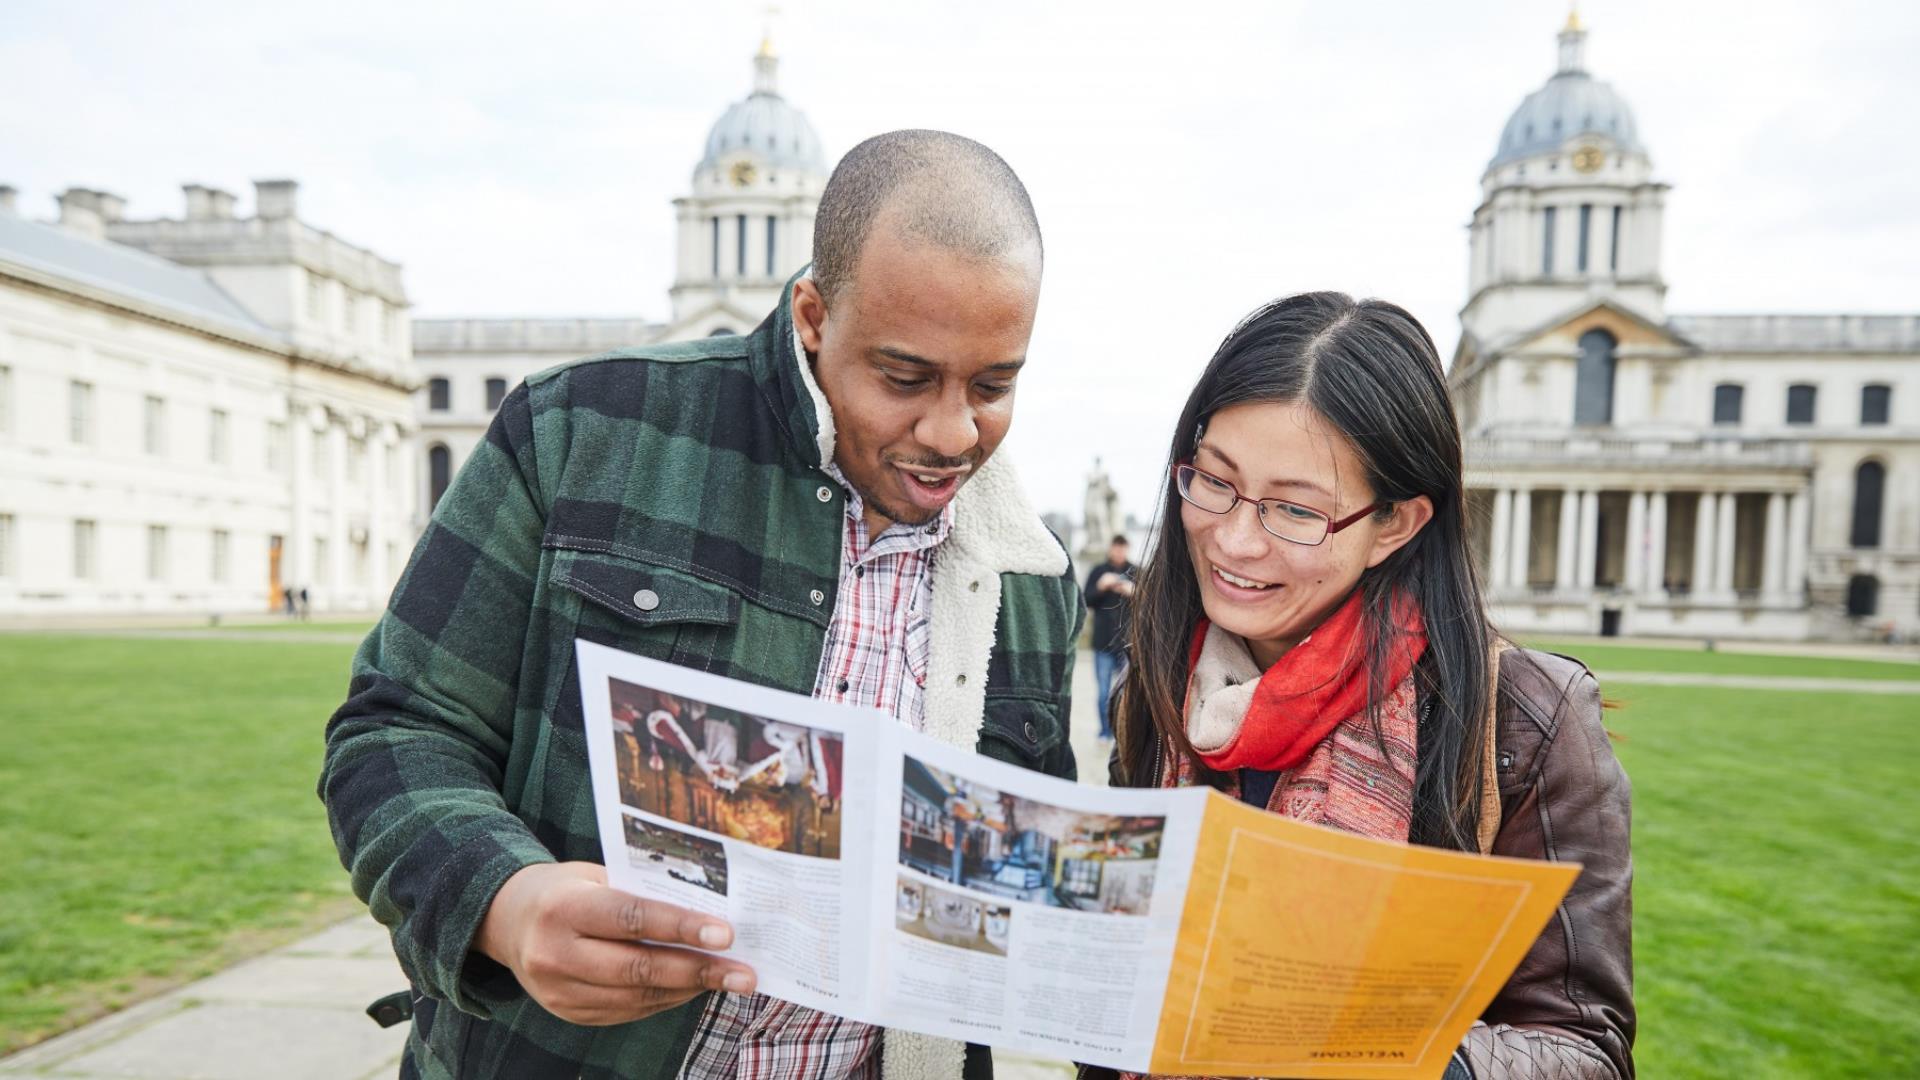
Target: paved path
293 1014
1760 682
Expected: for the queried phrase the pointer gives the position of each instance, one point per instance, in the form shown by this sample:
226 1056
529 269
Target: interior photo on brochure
878 874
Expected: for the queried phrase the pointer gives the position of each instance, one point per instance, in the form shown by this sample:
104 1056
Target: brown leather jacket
1567 1012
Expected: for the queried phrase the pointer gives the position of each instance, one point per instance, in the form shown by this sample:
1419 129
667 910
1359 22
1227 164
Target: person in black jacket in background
1109 587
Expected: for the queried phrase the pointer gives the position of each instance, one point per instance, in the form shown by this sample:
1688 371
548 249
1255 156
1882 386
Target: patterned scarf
1306 717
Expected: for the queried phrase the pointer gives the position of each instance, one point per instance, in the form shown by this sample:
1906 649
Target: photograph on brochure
774 784
972 835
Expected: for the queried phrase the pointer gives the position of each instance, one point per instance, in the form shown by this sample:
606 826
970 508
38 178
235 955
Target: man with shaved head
816 506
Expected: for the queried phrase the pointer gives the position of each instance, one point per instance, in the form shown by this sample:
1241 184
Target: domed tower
748 223
1570 211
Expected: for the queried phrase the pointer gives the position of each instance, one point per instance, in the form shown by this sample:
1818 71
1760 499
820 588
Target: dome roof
764 124
1572 103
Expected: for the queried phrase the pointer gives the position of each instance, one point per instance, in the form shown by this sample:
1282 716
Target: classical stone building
1640 472
745 226
197 413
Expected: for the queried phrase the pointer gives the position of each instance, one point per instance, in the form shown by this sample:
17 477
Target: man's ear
1409 517
809 314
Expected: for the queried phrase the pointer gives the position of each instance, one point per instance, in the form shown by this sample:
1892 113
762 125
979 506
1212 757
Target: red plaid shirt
876 656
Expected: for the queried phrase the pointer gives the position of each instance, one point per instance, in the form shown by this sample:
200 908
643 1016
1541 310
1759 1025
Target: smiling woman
1309 636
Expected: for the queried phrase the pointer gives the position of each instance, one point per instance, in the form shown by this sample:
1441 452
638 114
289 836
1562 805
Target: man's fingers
619 916
667 971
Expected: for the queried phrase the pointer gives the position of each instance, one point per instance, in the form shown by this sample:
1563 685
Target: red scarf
1310 690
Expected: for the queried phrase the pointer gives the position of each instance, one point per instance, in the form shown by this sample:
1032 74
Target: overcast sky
1188 160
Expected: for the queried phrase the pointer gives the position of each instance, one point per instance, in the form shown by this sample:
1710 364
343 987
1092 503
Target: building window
1800 402
1876 404
1869 485
156 429
276 446
80 412
1613 252
439 474
217 436
1546 242
1593 379
773 228
1726 403
496 393
83 553
350 311
156 553
222 552
6 545
1586 227
316 297
356 461
1863 595
6 401
439 395
740 242
322 569
715 222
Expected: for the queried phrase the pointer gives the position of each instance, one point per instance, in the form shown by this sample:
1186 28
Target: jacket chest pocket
645 608
640 607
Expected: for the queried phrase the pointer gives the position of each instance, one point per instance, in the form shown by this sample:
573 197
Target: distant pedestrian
286 600
1109 588
306 605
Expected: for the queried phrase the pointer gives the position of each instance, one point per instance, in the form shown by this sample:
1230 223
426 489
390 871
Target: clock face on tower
1589 159
743 173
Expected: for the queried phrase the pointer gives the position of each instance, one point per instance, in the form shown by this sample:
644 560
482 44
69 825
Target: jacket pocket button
959 680
646 599
825 494
817 597
973 587
1032 735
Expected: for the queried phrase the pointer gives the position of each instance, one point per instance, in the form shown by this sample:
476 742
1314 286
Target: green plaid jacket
692 470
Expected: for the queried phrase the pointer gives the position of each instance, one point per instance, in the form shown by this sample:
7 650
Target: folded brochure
878 874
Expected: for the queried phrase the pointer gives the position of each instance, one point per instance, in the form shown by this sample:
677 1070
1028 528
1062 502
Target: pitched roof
126 272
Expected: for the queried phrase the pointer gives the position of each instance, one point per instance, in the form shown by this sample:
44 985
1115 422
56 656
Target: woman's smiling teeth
1244 583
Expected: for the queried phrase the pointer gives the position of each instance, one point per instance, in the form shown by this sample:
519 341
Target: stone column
1499 561
1522 545
338 580
1589 545
1704 544
296 555
1723 555
1773 576
1799 525
1563 574
1656 581
1636 568
379 504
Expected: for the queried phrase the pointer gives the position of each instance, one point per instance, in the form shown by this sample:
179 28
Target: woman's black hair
1371 371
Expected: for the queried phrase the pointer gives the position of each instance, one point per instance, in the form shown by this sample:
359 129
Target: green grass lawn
1608 657
1777 881
157 821
157 815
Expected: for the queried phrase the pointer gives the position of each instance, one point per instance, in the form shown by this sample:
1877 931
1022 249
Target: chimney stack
207 204
80 212
274 200
112 207
8 196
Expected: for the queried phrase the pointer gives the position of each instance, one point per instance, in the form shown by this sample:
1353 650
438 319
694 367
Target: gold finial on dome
766 33
1573 18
